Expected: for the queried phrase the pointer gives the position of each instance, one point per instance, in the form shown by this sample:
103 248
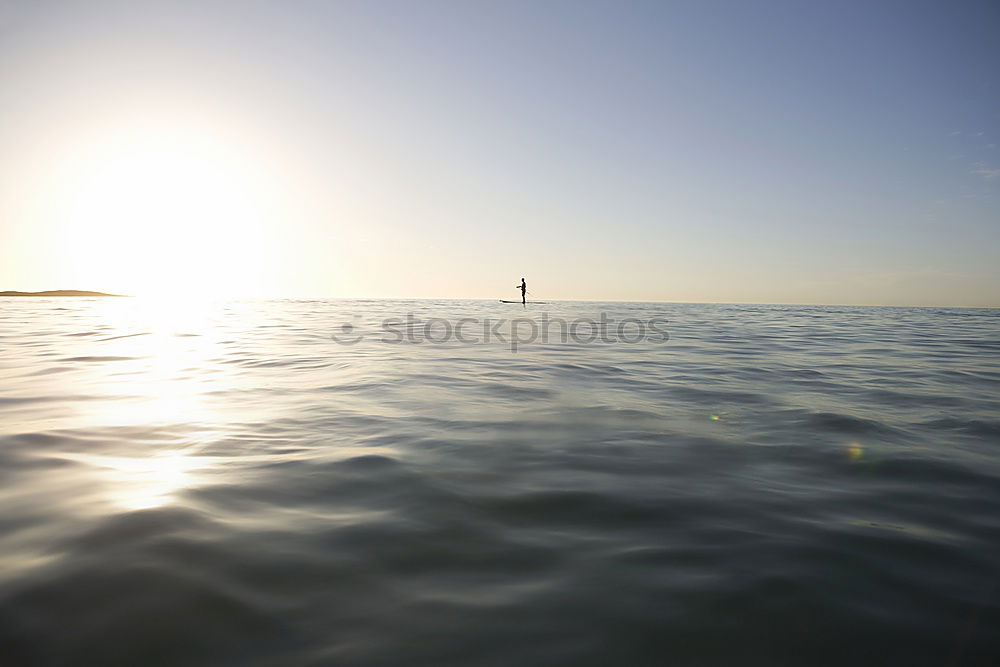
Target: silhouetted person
524 290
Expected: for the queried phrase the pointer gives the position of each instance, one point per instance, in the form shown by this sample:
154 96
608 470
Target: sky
758 152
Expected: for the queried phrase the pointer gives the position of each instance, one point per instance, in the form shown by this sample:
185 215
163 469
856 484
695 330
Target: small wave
974 427
145 333
841 423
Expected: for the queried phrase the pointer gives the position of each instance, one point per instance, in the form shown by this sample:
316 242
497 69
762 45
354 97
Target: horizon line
493 299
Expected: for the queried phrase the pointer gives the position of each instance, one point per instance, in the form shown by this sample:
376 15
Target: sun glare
174 210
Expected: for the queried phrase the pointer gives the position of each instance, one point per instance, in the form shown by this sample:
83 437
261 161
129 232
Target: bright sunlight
179 210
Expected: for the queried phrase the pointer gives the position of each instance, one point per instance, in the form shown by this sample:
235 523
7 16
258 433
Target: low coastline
59 292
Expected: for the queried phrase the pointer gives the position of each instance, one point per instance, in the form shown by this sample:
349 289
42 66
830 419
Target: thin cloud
986 171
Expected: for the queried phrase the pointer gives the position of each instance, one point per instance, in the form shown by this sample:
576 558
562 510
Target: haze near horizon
774 152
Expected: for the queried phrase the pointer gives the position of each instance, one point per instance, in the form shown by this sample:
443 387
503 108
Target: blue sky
693 151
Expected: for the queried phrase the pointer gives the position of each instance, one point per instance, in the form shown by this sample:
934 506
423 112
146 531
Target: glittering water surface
223 483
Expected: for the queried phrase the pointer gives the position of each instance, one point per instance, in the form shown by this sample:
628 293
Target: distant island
59 292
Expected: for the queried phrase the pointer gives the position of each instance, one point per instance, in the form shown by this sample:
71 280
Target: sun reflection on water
146 482
168 347
161 371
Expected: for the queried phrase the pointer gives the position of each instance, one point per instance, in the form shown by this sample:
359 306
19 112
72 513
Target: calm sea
335 482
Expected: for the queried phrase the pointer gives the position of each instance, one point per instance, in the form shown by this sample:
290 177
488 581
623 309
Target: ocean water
314 482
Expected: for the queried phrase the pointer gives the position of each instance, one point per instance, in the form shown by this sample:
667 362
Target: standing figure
524 290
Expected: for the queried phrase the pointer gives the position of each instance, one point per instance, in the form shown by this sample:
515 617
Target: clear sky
773 151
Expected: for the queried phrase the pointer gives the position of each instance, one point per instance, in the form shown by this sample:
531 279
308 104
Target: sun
165 210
